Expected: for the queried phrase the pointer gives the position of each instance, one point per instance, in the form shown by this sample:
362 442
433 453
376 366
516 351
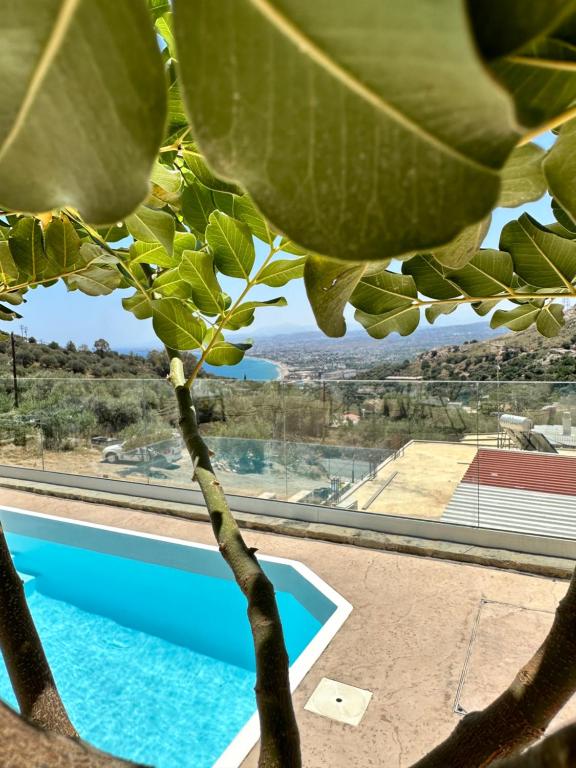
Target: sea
250 368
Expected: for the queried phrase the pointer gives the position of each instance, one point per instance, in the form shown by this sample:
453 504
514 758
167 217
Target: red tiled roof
547 473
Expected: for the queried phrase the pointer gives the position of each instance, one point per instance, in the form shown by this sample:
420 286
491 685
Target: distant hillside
35 359
525 355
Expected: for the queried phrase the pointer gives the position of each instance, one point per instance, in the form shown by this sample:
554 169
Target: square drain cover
339 701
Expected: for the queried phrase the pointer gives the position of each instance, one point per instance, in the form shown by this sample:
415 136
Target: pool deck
407 639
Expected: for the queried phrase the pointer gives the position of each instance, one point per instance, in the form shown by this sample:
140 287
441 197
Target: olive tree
366 145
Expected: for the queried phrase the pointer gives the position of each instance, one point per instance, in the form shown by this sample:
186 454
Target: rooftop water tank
516 423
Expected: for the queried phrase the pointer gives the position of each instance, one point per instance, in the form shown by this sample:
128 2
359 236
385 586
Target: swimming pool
148 637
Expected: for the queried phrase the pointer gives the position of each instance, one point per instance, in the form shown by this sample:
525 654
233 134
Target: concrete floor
407 639
427 474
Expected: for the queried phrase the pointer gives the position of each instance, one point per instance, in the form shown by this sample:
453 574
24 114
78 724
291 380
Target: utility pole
14 376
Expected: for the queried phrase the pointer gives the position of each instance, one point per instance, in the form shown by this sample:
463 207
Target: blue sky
54 314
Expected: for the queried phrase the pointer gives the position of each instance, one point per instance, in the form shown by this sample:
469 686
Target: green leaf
523 177
197 205
434 311
403 320
488 272
196 163
152 226
243 315
62 244
563 220
457 253
27 248
7 314
541 78
378 293
83 104
329 285
483 307
517 319
356 174
231 242
431 277
550 320
100 277
170 284
224 352
197 269
502 26
138 305
280 272
540 257
166 184
560 170
175 324
8 268
151 253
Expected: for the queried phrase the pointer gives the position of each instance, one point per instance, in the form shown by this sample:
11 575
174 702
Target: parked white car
168 451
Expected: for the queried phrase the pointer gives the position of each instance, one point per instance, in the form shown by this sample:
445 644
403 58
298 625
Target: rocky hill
512 356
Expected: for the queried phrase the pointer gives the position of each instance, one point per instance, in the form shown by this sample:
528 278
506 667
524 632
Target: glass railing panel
242 423
392 448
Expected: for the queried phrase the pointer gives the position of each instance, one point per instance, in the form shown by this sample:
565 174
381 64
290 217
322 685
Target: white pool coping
244 741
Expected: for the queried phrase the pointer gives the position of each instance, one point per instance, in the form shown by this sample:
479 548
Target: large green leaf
152 226
83 98
170 284
196 163
197 269
175 324
517 319
550 320
231 242
8 268
378 293
541 258
434 311
502 26
280 272
139 305
150 253
243 315
560 170
356 175
459 252
223 352
100 278
523 177
197 205
542 79
63 248
329 285
431 277
27 248
403 320
489 272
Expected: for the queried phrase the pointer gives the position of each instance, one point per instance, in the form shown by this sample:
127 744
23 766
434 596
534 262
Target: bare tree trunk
24 745
25 659
557 751
279 741
522 713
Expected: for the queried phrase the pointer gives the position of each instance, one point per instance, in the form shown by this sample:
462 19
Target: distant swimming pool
148 637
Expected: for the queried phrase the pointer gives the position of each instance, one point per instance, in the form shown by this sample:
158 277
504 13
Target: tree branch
522 713
279 740
25 659
557 751
24 745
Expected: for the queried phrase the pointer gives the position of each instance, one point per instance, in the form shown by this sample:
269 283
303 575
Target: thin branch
520 716
557 751
279 740
26 662
554 122
23 745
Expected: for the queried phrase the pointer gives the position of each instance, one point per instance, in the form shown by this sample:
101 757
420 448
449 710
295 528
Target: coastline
282 368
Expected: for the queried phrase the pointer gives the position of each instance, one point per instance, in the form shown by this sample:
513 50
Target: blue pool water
154 663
